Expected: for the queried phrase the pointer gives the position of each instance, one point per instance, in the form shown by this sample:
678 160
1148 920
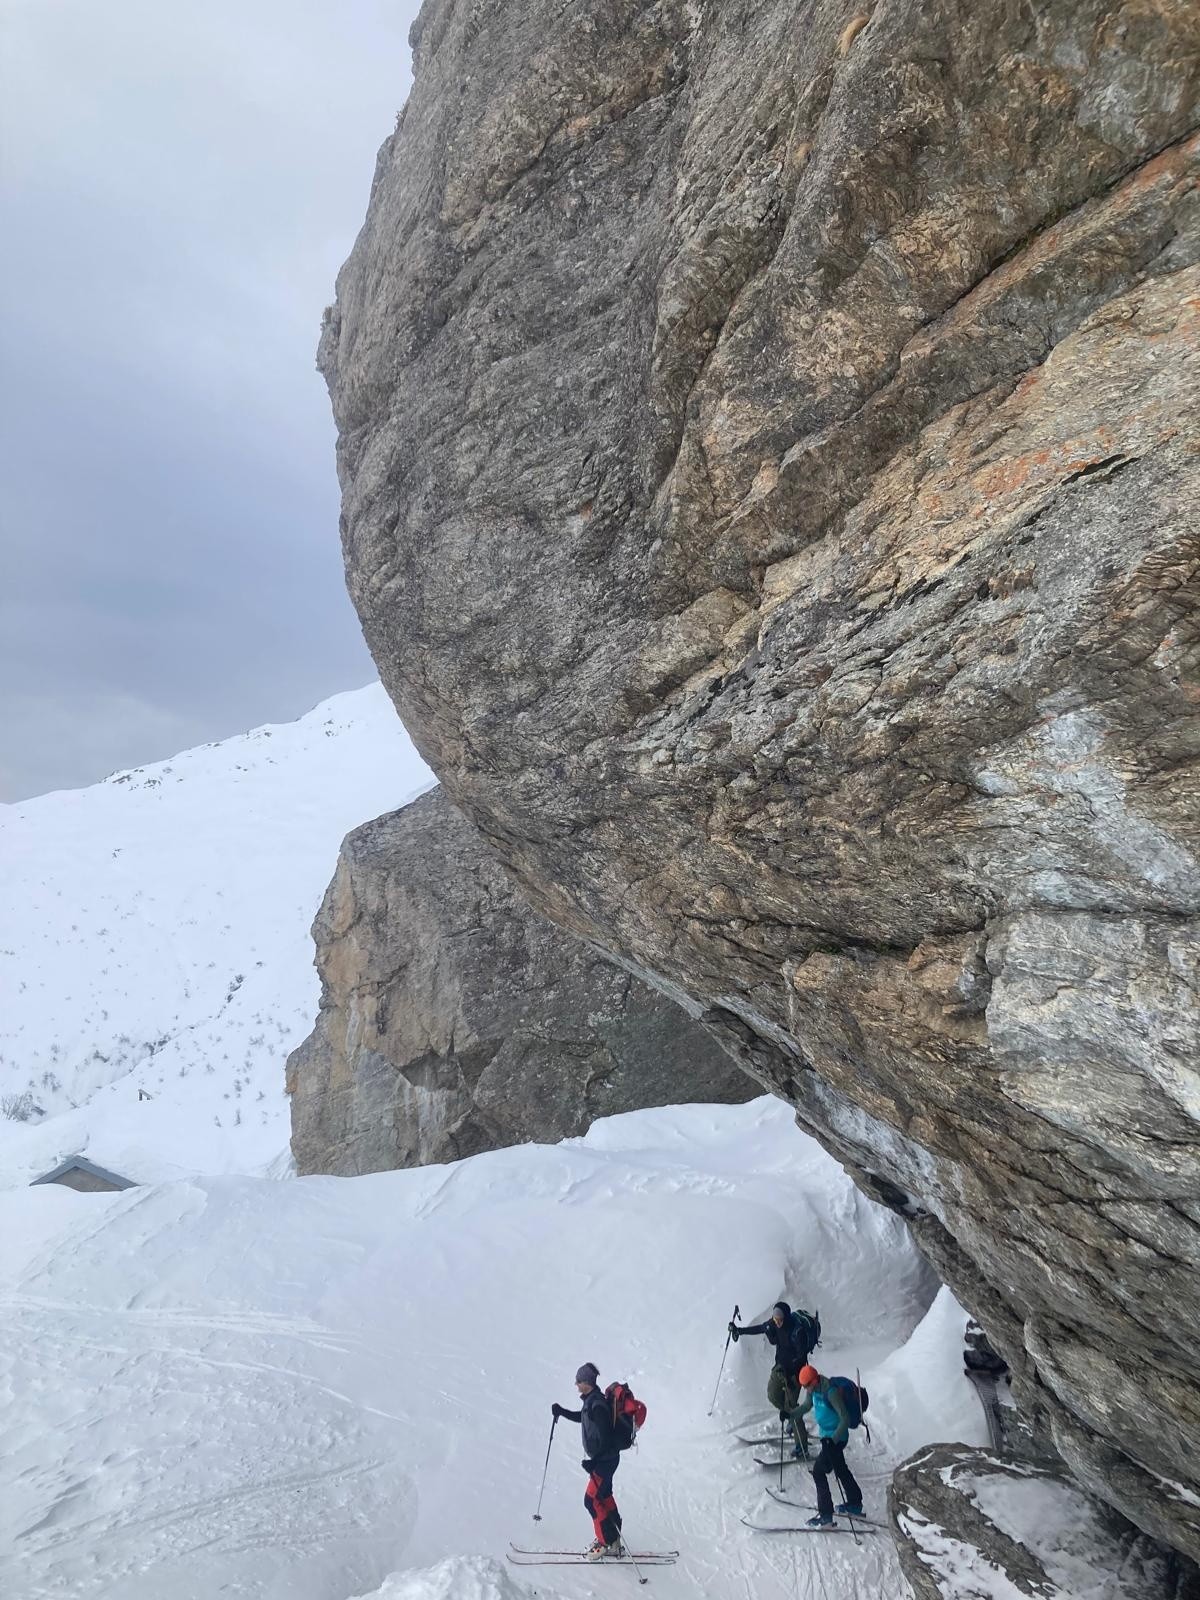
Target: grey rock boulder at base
971 1526
453 1019
769 449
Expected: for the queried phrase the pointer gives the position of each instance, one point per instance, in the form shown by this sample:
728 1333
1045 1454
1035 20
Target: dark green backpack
806 1329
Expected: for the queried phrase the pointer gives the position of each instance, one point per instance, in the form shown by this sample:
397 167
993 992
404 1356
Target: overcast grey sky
182 180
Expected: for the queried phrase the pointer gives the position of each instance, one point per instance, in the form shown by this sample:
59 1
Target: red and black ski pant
598 1498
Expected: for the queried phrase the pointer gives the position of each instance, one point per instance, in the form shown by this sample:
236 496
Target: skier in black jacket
602 1459
794 1335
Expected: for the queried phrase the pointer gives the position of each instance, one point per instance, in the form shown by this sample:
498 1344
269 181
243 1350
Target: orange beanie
809 1377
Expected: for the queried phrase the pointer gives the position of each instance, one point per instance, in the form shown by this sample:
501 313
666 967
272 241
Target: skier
823 1398
794 1335
602 1460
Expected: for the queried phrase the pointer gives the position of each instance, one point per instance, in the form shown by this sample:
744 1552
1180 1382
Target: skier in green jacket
792 1335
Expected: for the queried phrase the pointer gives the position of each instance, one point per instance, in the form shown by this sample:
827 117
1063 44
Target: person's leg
591 1499
606 1519
608 1506
820 1472
846 1480
777 1389
792 1404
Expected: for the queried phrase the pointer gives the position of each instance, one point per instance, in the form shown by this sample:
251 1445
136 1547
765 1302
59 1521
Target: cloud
106 732
182 184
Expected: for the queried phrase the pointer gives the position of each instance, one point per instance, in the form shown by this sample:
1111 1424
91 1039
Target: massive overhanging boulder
454 1019
768 439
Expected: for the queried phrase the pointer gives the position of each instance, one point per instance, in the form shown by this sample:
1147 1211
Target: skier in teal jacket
822 1398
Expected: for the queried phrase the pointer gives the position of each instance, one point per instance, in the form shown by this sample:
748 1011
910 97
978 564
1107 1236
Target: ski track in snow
324 1388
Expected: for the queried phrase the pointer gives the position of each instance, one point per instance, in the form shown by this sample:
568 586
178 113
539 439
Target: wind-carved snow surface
154 937
329 1387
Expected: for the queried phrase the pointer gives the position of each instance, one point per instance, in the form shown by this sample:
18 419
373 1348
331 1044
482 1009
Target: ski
788 1461
834 1527
585 1561
985 1386
637 1555
796 1505
763 1444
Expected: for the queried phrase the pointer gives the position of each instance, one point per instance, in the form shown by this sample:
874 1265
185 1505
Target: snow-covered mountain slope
311 1389
154 938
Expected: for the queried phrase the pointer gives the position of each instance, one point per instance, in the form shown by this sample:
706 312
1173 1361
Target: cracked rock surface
971 1526
769 448
454 1019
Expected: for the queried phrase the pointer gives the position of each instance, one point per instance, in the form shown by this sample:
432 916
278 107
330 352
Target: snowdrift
327 1387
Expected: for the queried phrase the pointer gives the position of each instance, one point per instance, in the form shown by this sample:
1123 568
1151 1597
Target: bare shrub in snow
20 1107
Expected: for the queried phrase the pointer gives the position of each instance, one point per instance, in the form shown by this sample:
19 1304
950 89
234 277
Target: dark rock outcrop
769 451
455 1020
970 1525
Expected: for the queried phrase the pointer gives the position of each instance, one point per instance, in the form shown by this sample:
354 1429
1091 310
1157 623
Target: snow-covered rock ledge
973 1527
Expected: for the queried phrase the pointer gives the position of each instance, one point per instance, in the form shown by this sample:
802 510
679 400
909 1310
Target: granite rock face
969 1525
455 1020
768 438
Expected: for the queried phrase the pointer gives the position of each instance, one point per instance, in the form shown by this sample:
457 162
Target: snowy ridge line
159 966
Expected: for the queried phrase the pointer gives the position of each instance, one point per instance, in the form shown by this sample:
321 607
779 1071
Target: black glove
556 1410
586 1464
734 1333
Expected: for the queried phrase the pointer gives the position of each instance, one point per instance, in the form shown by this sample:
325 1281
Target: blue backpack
854 1397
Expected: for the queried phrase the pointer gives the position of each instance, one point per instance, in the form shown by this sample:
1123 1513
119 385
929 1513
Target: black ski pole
630 1558
737 1311
866 1426
537 1515
782 1433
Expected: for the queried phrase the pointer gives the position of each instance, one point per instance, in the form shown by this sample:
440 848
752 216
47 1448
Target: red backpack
628 1413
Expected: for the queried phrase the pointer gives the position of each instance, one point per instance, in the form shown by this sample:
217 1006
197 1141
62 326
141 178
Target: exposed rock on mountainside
453 1019
768 436
970 1525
